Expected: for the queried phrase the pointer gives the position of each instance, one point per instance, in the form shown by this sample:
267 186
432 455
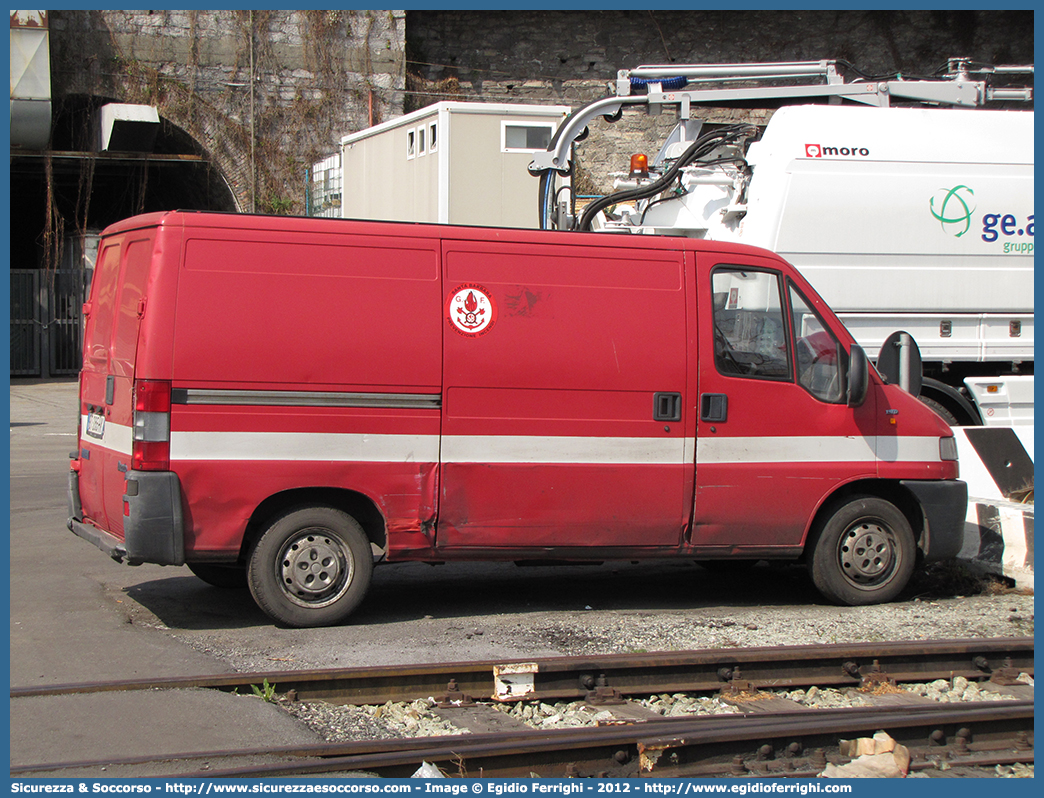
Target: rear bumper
110 544
153 529
945 506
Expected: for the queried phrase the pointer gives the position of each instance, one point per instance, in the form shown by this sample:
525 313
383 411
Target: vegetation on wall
421 92
290 86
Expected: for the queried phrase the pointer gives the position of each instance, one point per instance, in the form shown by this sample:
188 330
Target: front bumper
945 507
153 529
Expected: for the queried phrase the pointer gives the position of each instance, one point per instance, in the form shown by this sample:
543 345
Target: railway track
768 735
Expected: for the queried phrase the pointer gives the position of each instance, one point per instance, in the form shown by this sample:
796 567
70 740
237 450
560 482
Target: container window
525 137
421 136
433 141
411 144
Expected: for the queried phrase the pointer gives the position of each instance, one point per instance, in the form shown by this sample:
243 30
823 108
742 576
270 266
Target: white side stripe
564 449
314 446
118 438
901 450
813 449
425 448
785 450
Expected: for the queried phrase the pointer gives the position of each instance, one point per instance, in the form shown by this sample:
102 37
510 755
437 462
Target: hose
702 146
667 84
704 164
547 181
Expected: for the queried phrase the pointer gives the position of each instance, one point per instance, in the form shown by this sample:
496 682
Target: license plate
96 425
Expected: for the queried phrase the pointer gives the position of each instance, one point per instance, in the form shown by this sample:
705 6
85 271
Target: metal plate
96 425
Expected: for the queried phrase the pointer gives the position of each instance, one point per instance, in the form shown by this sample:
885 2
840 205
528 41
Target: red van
282 402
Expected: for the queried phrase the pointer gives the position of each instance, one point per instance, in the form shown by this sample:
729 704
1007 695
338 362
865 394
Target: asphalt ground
77 616
64 627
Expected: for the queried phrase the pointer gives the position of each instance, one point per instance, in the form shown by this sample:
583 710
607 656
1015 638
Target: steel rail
792 744
566 678
617 751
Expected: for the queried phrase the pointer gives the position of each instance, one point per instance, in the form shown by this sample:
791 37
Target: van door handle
667 406
714 407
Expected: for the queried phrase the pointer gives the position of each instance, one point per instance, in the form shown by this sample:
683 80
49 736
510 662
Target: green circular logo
953 208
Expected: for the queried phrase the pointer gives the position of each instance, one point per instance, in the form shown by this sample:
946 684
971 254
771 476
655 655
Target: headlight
947 448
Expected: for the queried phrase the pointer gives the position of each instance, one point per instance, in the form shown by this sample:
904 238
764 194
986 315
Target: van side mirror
858 376
900 362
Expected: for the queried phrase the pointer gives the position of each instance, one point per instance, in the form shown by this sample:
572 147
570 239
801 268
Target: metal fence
47 321
25 322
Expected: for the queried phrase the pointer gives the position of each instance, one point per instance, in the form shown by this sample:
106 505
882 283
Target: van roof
323 225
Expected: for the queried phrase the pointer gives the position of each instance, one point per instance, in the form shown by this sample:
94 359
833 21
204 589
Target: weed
266 692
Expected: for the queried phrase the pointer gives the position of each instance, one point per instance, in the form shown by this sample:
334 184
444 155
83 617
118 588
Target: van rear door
564 399
107 379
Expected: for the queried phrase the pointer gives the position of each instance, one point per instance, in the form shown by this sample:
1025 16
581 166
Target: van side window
750 337
818 352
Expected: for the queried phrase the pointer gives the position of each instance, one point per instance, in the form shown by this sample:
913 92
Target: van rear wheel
863 553
311 567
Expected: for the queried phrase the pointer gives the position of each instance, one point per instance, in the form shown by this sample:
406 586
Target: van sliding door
563 399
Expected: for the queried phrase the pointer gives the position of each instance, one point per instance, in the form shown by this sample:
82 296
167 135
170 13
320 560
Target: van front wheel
311 567
863 553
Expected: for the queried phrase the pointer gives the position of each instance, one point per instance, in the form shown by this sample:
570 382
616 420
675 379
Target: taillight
151 450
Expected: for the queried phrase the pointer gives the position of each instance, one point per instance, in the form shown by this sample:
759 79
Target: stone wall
321 74
317 75
559 46
568 57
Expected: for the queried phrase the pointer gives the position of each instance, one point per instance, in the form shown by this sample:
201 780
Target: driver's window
817 351
750 337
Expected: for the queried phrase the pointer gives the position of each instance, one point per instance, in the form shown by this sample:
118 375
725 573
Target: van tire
311 567
863 552
232 577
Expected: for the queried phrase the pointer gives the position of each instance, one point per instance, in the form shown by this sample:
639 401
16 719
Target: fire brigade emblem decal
471 310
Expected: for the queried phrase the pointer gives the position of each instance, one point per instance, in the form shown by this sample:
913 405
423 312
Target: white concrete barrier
998 539
997 464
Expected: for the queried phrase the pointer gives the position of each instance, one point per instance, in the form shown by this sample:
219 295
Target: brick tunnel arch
62 197
175 171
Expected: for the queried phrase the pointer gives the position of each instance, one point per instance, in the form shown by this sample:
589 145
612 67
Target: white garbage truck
905 202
